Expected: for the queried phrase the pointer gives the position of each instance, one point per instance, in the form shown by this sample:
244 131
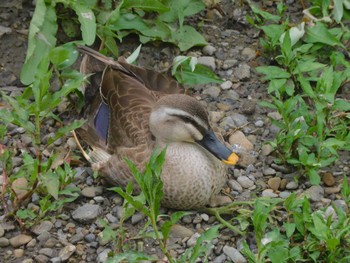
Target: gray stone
112 219
234 254
292 185
242 72
207 61
226 85
44 236
268 193
18 253
285 194
259 123
234 185
87 213
92 191
249 53
41 259
205 217
181 231
56 260
19 240
229 63
191 242
341 204
42 227
66 252
244 181
136 218
5 30
213 92
90 238
220 259
102 257
331 212
274 115
233 95
2 231
315 193
269 171
208 50
239 119
266 149
46 251
4 242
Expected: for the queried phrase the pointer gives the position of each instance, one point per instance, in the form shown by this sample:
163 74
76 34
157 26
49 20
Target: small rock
31 243
259 123
71 143
46 251
207 61
248 107
181 231
244 181
285 194
18 253
5 30
20 240
205 217
112 219
92 191
212 91
87 213
233 95
249 53
274 183
266 149
136 218
2 231
238 138
283 184
90 238
315 193
269 171
220 259
67 252
269 193
41 259
292 185
242 72
331 212
191 242
102 257
234 255
226 85
208 50
341 204
43 226
332 190
4 242
234 185
328 179
274 115
43 237
229 63
55 260
216 116
239 119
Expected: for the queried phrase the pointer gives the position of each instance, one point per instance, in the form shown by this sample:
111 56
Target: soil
237 49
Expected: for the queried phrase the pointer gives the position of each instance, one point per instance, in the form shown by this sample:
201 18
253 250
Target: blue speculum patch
102 121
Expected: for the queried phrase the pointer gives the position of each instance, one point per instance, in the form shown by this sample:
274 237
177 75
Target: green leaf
51 182
315 178
41 40
146 5
87 22
274 32
307 66
320 34
26 214
338 10
267 105
65 130
290 228
64 56
188 37
276 85
201 74
273 72
263 14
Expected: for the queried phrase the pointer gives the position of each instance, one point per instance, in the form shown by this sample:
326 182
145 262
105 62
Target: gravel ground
73 234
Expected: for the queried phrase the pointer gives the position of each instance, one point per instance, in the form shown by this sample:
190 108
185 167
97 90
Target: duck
130 111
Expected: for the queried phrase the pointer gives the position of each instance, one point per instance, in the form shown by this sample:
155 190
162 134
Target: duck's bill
212 144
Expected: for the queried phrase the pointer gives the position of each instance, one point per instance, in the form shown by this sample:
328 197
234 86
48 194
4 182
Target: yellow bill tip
232 159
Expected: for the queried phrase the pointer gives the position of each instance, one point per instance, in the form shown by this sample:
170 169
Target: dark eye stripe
187 119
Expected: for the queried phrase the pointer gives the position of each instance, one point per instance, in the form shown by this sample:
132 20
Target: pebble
234 185
92 191
269 171
249 53
220 259
226 85
66 252
42 227
266 149
229 63
2 231
136 218
191 242
248 107
43 237
207 61
46 251
274 115
111 218
332 190
31 243
292 185
285 194
274 183
328 179
41 259
213 92
20 186
331 212
209 50
102 256
181 231
205 217
234 254
20 240
239 119
238 138
242 72
18 253
268 193
216 116
90 238
4 242
283 184
259 123
87 213
5 30
315 193
244 181
341 204
233 95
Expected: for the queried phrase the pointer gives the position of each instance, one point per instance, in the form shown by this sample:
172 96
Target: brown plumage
131 110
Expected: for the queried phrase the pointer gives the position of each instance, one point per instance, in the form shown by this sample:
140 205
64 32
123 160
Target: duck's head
181 118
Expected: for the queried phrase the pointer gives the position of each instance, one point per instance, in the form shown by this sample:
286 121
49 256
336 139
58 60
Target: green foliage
310 69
